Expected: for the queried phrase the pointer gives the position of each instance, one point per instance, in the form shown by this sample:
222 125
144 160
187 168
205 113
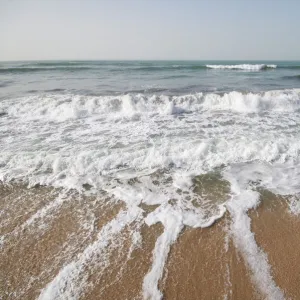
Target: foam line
172 221
70 282
243 200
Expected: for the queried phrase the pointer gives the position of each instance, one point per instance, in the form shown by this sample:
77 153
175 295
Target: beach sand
202 263
277 232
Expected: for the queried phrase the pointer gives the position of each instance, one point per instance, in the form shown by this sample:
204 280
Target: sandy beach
41 236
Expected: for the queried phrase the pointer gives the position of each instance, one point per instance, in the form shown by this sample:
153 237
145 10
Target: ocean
121 179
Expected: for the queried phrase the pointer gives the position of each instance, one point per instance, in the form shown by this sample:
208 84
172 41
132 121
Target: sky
150 29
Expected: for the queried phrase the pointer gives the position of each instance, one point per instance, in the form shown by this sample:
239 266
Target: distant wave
132 67
256 67
34 69
75 68
76 63
146 90
292 77
161 68
290 67
177 76
5 83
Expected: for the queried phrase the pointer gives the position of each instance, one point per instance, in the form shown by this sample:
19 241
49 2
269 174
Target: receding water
175 143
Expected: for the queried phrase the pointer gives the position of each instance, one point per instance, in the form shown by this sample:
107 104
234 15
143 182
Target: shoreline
203 263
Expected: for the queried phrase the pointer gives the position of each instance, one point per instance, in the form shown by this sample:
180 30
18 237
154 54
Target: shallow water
178 144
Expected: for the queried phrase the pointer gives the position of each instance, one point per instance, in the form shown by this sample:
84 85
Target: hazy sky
149 29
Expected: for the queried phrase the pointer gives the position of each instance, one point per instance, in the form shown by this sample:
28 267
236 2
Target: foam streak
244 239
70 282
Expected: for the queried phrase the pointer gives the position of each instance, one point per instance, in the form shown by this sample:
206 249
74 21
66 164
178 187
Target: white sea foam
255 67
147 149
62 108
294 205
242 200
173 220
70 282
244 179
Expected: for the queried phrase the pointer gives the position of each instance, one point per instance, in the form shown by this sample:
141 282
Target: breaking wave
152 150
59 108
257 67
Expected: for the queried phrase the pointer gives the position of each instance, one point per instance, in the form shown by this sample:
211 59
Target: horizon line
232 60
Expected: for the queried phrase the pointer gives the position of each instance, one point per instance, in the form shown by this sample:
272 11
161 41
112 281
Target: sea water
194 139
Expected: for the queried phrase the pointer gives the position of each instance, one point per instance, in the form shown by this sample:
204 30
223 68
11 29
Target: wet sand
202 263
32 254
277 231
125 276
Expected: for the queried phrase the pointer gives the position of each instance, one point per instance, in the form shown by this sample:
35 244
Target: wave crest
256 67
59 107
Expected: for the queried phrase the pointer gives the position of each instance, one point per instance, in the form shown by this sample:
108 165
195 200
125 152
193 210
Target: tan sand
277 232
202 264
18 203
30 258
125 276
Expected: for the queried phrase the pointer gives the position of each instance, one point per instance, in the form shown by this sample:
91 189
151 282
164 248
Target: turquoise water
146 77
